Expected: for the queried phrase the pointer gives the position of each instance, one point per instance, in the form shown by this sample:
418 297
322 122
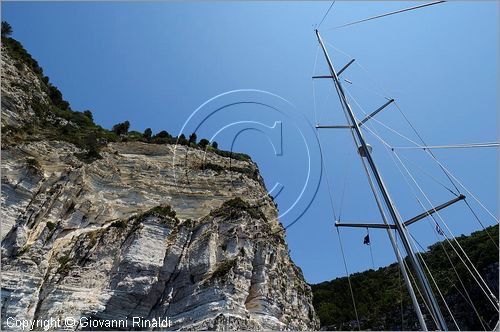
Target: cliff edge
133 229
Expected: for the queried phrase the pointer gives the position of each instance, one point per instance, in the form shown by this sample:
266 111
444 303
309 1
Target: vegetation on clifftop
57 121
233 208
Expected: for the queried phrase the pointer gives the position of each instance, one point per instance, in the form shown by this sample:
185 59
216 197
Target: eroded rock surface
146 231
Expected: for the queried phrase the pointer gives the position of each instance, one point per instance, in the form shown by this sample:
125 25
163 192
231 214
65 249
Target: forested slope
384 304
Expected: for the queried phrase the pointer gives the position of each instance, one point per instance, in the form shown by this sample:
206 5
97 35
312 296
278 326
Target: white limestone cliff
101 239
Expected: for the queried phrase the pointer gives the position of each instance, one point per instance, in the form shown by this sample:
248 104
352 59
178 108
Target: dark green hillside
382 300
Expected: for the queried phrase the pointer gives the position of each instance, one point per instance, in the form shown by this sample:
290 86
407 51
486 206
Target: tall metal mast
425 287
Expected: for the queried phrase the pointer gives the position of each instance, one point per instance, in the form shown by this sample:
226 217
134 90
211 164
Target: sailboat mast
390 207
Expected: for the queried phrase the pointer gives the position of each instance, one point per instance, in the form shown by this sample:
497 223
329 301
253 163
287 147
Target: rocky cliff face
145 231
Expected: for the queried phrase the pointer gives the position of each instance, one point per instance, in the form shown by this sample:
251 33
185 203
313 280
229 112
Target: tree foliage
192 138
147 133
56 120
121 128
6 29
182 140
203 143
163 134
89 114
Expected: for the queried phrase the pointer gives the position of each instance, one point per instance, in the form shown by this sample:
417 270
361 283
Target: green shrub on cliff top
81 124
6 29
233 208
160 211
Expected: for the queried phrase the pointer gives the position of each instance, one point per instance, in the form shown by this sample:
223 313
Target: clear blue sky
154 63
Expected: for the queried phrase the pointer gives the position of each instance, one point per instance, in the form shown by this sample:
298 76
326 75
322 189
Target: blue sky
154 64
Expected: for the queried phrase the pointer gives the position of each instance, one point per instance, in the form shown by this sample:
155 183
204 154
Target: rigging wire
384 217
490 296
400 291
441 244
401 261
430 274
333 210
447 239
485 325
428 174
323 162
326 14
396 249
372 132
448 174
423 142
394 131
314 89
453 237
348 278
338 232
435 283
420 293
344 186
469 192
495 302
443 222
445 171
480 223
332 204
387 14
451 146
469 300
443 168
353 83
376 82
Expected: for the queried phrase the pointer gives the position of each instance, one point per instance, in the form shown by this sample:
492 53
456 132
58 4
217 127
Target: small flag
439 230
366 239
